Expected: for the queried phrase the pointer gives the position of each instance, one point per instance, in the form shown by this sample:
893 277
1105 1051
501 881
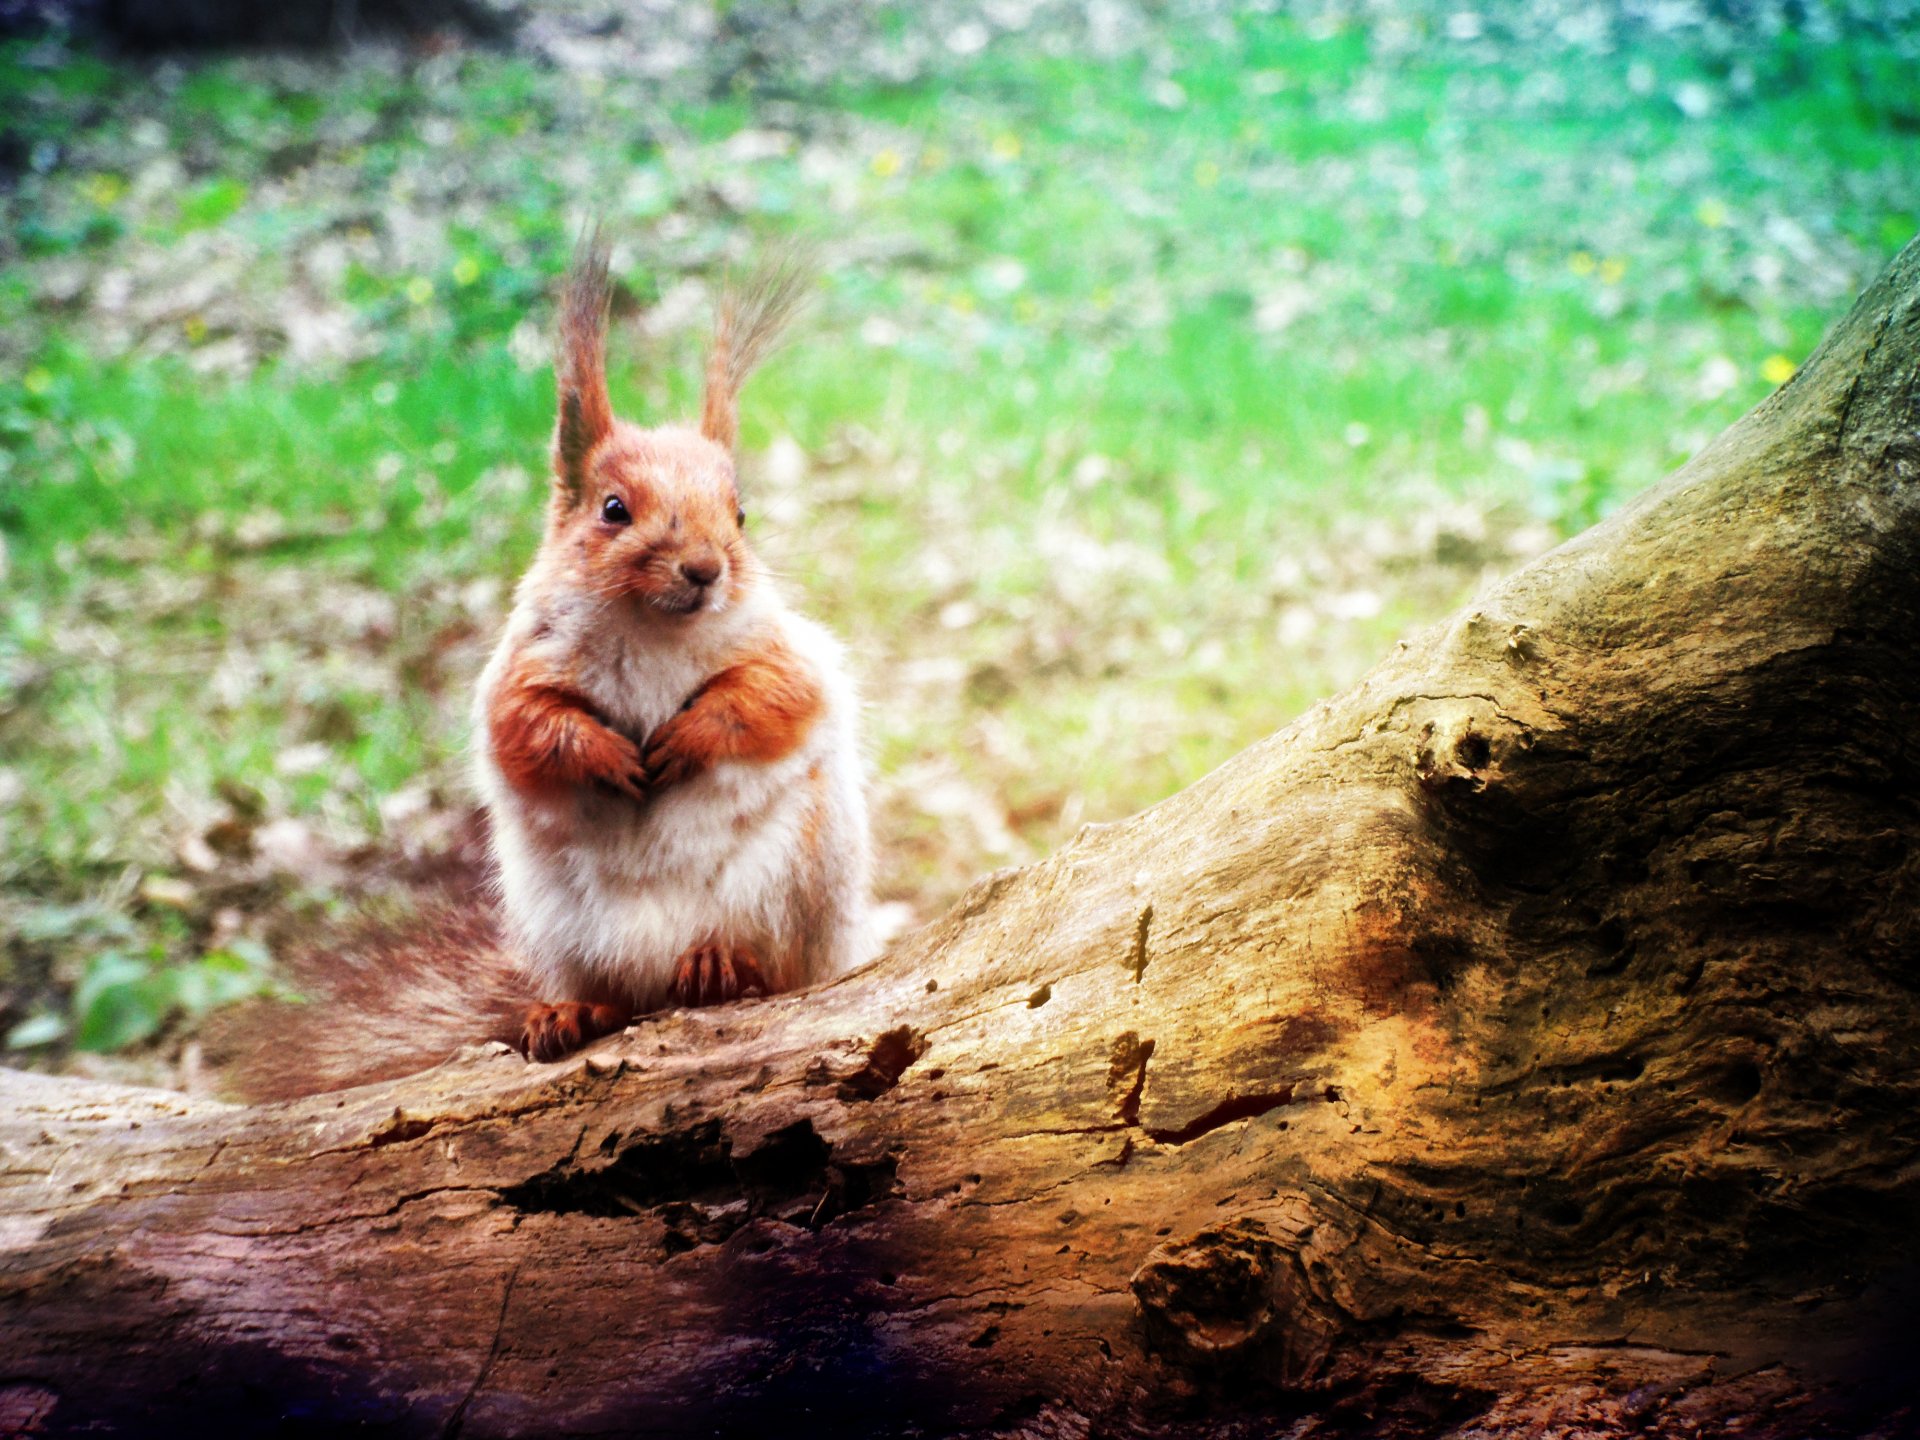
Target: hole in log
1552 1202
1739 1084
1040 997
703 1192
1563 1213
887 1061
1616 946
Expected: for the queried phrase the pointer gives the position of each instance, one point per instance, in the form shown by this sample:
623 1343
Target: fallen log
1524 1039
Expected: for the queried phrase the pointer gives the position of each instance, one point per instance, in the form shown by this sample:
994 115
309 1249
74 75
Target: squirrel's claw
663 766
715 972
634 786
618 767
555 1030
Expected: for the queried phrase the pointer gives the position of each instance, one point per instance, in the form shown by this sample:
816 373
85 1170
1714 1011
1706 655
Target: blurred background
1171 360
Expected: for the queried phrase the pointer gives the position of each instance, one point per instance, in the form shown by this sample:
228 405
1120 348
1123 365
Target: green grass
1135 389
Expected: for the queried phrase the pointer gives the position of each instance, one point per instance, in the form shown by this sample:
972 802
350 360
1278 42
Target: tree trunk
1524 1039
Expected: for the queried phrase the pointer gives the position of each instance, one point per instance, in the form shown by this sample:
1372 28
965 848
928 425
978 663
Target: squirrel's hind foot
555 1030
714 972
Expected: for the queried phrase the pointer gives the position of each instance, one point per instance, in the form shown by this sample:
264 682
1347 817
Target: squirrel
667 754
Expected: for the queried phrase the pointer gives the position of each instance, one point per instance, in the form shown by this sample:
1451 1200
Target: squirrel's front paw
715 972
616 763
679 750
555 1030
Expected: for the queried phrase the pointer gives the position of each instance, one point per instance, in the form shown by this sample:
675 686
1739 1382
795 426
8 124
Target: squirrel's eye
614 512
740 518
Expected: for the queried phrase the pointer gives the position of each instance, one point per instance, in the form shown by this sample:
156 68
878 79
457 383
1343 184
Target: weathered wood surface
1524 1039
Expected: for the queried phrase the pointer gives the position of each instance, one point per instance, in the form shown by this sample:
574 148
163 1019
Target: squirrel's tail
378 1004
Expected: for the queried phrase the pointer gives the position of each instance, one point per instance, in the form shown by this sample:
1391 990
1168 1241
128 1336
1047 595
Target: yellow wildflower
1777 369
886 163
1581 262
103 189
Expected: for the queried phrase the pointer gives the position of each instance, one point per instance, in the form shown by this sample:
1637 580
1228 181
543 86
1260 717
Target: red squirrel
668 755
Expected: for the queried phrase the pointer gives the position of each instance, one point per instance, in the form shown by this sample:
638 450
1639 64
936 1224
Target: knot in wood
1232 1299
1459 750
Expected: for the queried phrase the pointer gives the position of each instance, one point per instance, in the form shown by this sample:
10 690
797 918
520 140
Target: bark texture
1523 1042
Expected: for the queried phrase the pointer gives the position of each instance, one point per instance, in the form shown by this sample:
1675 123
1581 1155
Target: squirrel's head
656 514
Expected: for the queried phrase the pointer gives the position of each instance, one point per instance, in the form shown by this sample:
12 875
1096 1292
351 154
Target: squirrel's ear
580 364
747 327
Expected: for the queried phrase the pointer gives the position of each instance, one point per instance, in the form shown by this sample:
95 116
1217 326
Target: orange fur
389 998
544 738
683 505
555 1030
717 971
758 710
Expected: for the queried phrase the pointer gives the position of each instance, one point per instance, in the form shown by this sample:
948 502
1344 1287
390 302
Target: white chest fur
601 894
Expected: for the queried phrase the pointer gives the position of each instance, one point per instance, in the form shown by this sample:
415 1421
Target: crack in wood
1233 1108
1137 961
457 1421
1127 1074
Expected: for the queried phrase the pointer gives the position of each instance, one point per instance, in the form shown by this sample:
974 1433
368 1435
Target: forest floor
1169 364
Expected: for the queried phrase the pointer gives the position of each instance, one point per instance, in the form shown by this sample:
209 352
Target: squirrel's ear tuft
580 363
747 328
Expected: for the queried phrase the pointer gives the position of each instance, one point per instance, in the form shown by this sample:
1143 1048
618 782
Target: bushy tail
380 1003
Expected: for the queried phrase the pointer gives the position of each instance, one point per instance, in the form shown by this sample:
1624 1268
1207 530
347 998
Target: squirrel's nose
703 571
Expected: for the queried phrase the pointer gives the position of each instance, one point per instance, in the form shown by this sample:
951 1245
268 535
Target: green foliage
124 998
211 203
